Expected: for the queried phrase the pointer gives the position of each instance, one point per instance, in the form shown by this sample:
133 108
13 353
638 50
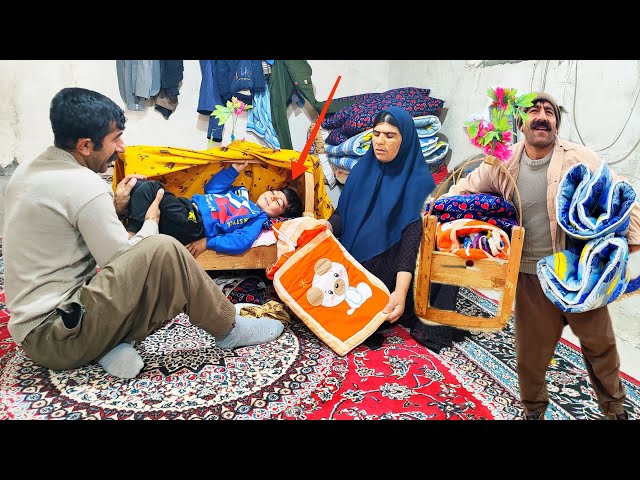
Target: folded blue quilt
344 162
433 151
354 147
595 277
594 211
593 205
426 126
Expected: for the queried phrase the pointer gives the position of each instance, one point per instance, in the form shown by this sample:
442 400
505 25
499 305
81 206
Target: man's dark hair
294 207
80 113
386 117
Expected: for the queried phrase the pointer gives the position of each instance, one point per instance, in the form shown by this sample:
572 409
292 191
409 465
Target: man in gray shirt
61 223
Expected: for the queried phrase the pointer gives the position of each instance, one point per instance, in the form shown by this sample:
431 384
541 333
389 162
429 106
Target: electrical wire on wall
574 124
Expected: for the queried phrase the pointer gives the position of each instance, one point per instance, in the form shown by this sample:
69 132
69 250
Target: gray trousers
538 328
131 297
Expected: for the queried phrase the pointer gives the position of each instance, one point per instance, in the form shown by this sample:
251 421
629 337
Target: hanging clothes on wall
287 77
259 121
209 98
223 79
240 79
138 81
171 74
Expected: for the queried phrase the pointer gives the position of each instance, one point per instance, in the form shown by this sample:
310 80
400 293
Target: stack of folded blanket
594 211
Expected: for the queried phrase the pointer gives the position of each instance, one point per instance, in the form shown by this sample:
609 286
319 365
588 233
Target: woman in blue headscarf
379 214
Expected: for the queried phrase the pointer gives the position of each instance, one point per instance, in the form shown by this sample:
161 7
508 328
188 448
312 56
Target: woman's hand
395 307
197 247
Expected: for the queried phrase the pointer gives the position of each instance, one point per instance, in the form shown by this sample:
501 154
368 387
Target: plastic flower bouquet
494 136
233 109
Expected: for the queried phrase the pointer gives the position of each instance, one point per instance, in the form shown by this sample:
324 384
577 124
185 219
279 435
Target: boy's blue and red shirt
231 221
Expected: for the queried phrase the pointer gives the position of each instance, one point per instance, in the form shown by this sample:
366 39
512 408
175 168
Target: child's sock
251 331
122 361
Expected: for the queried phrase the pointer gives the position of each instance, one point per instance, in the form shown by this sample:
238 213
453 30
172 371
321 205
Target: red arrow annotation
297 167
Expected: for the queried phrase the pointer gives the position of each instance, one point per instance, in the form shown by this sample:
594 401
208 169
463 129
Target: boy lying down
223 219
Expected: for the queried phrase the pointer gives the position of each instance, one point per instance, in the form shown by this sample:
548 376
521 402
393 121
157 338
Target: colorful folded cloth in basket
473 239
480 206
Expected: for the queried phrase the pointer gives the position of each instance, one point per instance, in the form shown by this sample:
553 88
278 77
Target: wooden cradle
446 268
184 172
256 257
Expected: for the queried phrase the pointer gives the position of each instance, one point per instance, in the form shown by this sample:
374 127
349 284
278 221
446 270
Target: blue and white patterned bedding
594 211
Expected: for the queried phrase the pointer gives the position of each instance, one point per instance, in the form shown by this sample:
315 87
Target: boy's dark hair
294 207
80 113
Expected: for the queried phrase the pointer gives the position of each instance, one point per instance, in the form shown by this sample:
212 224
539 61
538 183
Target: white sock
122 361
251 331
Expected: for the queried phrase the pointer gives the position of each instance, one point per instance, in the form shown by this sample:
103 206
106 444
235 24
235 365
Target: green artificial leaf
492 94
221 113
509 111
523 116
473 129
503 124
495 112
524 101
492 135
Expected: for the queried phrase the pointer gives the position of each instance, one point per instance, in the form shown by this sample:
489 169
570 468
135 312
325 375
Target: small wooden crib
257 257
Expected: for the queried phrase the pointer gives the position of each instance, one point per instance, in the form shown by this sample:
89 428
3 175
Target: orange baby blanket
335 296
450 235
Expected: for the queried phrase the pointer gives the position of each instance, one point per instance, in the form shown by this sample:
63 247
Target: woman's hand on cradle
395 307
197 247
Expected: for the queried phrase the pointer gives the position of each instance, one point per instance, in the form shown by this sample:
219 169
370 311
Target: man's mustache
541 123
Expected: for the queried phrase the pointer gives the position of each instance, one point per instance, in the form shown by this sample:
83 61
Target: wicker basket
447 268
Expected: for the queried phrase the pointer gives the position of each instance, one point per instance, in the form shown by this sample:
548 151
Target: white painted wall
600 100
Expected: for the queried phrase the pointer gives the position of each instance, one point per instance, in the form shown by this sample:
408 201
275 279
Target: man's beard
112 159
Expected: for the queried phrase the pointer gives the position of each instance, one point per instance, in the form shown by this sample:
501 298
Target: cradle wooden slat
447 268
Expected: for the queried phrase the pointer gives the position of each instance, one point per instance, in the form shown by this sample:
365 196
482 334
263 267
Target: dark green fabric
282 83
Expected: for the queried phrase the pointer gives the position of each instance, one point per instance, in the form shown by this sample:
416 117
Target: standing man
61 222
538 164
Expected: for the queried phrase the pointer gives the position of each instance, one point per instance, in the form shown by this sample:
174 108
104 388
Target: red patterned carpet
296 377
